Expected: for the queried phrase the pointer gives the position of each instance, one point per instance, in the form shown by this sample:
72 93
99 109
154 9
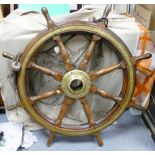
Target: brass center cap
76 84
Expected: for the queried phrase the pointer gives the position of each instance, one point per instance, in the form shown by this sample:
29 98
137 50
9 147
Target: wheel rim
83 27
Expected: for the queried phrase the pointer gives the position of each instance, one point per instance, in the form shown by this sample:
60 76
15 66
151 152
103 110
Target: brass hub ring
76 83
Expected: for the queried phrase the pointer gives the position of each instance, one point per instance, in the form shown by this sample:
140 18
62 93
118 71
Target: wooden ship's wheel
76 83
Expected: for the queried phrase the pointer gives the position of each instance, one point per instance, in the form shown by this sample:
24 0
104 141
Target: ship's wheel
76 83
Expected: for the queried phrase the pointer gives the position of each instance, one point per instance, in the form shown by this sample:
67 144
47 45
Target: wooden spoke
102 93
103 71
87 111
34 99
65 56
63 110
83 65
58 122
55 74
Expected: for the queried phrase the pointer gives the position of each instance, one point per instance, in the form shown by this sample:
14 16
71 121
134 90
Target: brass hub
76 84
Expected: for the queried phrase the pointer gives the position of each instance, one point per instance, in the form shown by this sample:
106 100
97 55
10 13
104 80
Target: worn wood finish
88 54
90 118
102 93
65 56
55 74
34 99
63 110
103 71
144 56
87 111
45 95
58 121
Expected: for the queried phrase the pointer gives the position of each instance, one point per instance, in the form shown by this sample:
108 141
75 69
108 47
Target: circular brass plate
79 26
71 76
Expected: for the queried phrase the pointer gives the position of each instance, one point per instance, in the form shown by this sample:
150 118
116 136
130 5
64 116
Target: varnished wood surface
55 74
64 53
89 52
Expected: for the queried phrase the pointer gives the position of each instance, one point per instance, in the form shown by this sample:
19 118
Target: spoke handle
106 11
12 107
50 22
8 55
141 57
144 56
144 70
